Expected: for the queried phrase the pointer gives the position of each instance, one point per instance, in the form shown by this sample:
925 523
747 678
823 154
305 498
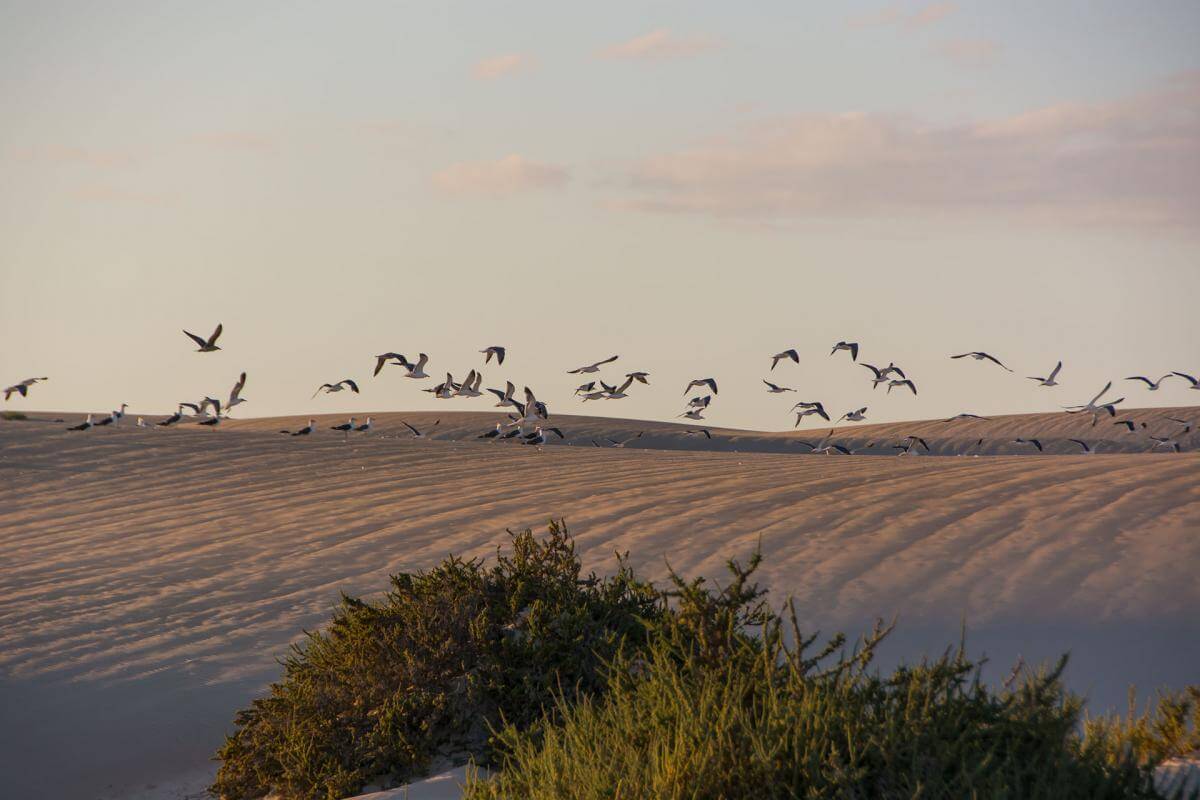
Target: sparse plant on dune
13 415
588 687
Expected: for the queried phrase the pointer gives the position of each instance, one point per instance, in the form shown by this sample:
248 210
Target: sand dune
150 578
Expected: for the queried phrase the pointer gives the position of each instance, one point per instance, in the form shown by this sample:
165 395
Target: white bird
538 437
1087 448
592 367
416 370
1165 441
329 388
470 386
852 347
597 395
141 423
906 382
383 359
444 390
710 382
640 377
695 413
345 428
808 409
210 401
792 354
235 396
505 397
1151 385
773 389
881 376
1195 382
1095 408
857 415
700 402
22 388
207 345
83 426
618 393
119 414
582 388
1049 379
365 427
305 431
625 441
825 446
979 355
495 350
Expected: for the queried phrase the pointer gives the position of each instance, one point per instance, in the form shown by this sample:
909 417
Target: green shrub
391 686
708 711
12 415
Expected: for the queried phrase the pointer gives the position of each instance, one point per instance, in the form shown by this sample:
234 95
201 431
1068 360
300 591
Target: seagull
505 397
1092 408
330 388
1165 441
446 389
141 423
171 420
854 416
809 408
906 382
773 389
912 439
416 433
416 370
851 346
908 443
1152 385
891 367
345 428
83 426
22 388
695 413
700 402
492 434
1187 425
964 415
599 395
1033 442
581 389
824 446
365 427
1087 448
538 437
119 414
617 394
1129 424
979 355
698 432
206 345
305 431
710 382
592 367
106 420
640 377
211 421
495 350
881 375
383 359
196 410
470 386
235 396
1195 383
210 401
624 442
1049 379
792 354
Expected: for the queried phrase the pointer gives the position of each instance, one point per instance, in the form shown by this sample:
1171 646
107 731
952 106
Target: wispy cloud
491 68
510 174
1134 161
969 52
73 154
660 44
237 140
895 15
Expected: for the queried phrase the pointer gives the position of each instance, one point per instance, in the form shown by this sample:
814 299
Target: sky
691 185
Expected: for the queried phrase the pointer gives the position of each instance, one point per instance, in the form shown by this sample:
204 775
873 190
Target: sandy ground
150 578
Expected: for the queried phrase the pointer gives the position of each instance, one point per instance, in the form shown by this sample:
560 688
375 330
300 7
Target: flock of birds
528 419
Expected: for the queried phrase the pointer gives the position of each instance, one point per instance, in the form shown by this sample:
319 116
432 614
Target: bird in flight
906 382
1035 442
1049 379
858 415
851 346
330 388
22 388
207 345
538 437
709 382
1087 449
495 350
979 355
235 396
416 433
773 389
792 354
592 367
1150 385
1195 382
809 408
383 359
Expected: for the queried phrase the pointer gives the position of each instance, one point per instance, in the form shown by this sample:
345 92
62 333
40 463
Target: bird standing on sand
592 367
792 354
211 422
305 431
22 388
171 420
83 426
493 434
345 428
852 347
330 388
979 355
494 350
1049 379
207 345
365 427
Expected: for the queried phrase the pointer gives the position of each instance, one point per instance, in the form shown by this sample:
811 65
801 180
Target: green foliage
707 710
391 686
12 415
1168 728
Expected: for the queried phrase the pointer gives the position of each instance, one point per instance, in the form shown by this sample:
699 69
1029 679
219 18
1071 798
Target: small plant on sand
391 686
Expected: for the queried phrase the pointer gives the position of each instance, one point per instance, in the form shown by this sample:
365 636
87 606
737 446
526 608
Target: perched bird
1084 446
171 420
1049 379
345 428
906 382
1036 443
207 345
1151 385
492 434
1195 383
306 430
792 354
119 414
211 422
592 367
83 426
22 388
710 382
141 423
979 355
330 388
235 396
538 437
851 346
365 427
773 389
494 350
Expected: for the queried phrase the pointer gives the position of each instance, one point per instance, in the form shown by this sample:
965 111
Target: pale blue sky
691 185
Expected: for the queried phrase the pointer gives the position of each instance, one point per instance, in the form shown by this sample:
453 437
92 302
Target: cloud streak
508 175
658 45
1134 161
894 15
497 66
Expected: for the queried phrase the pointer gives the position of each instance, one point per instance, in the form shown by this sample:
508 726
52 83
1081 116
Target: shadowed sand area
150 578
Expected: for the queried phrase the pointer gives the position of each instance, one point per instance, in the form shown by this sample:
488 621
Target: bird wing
353 386
1187 377
215 335
854 351
198 340
994 360
878 372
411 428
606 361
1054 372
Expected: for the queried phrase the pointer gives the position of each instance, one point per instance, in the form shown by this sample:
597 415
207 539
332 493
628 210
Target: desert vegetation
566 685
